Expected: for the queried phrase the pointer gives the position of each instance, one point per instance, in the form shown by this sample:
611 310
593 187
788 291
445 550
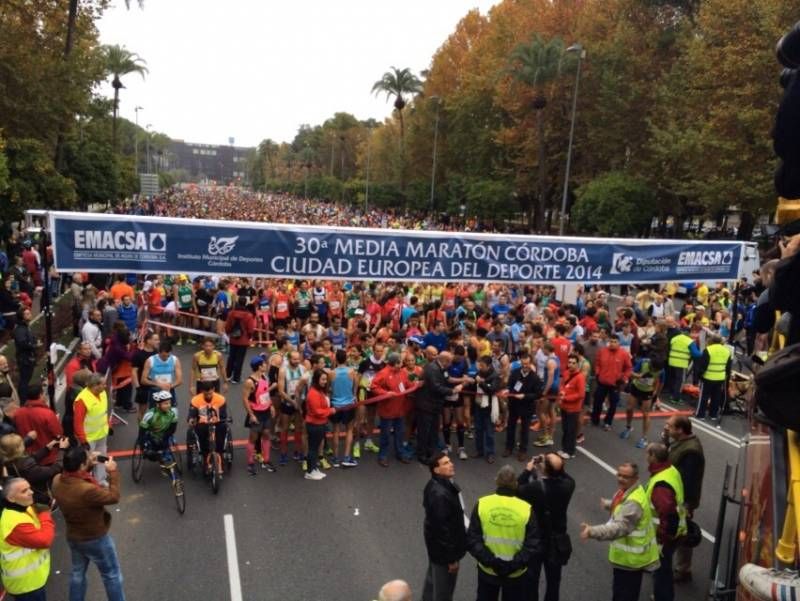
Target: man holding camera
82 501
548 488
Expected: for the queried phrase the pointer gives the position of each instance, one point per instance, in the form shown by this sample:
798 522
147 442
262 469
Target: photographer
548 488
83 502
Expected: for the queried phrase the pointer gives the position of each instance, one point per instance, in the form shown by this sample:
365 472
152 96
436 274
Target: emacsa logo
221 246
621 263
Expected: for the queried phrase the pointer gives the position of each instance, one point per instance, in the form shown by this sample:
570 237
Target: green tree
3 166
119 62
34 182
613 204
399 83
536 65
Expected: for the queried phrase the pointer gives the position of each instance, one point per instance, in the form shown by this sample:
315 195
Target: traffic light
786 135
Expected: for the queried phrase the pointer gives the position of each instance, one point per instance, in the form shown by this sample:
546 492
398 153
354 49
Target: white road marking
233 559
717 433
706 535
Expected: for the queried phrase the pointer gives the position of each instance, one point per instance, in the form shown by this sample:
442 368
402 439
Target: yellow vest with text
672 477
679 355
96 421
503 521
718 356
638 549
23 570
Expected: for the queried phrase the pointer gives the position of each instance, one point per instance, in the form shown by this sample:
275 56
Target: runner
291 392
260 411
344 387
208 366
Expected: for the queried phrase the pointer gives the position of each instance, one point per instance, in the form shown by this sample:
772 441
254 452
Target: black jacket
38 476
531 547
430 398
784 294
552 497
445 534
489 384
25 344
530 385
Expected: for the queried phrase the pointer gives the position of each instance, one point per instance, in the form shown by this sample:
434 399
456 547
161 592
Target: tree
613 204
120 62
536 65
3 166
399 83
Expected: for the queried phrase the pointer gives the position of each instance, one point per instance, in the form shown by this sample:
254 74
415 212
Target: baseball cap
256 362
416 340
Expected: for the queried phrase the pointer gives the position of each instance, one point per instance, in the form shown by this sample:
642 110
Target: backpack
776 387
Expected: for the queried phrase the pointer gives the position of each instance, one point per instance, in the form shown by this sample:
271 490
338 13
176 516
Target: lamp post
136 140
435 141
366 192
147 129
581 55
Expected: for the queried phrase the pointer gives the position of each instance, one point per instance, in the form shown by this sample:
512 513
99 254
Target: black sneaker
268 466
251 469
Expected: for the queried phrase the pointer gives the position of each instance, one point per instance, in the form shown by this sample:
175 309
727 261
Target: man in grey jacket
429 403
630 529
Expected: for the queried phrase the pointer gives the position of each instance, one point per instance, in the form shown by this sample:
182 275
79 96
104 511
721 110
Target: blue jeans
100 551
386 425
484 431
37 595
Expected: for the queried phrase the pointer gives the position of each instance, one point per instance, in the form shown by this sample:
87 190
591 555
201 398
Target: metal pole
569 148
48 317
136 142
435 140
366 194
148 149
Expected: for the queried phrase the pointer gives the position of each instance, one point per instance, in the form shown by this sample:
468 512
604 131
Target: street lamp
581 55
147 129
366 192
136 140
435 140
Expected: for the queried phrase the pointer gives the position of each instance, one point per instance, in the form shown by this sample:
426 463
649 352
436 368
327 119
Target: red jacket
391 380
31 537
612 366
573 387
37 416
318 408
247 323
562 347
666 506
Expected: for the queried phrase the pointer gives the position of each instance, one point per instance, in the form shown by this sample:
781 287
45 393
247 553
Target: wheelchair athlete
208 409
157 428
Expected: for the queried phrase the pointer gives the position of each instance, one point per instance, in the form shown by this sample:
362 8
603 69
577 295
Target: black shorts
343 417
288 408
302 314
261 423
142 395
641 396
453 404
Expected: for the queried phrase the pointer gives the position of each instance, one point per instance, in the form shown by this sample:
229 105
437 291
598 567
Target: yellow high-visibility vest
23 569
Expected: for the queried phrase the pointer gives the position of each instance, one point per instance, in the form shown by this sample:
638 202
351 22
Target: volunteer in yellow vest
91 420
665 491
503 537
630 529
26 535
682 349
715 369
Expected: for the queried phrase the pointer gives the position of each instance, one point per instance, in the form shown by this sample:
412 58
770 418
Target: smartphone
101 458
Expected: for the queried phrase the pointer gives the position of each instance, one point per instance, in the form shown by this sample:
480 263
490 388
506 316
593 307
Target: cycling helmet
162 395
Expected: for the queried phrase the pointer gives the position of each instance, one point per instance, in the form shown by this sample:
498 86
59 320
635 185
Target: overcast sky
255 69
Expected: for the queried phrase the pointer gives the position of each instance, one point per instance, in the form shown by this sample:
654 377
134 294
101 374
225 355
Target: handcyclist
208 366
208 409
260 413
291 390
157 427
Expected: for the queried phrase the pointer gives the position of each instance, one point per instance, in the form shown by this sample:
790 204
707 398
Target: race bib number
164 379
401 387
282 307
335 305
518 386
208 373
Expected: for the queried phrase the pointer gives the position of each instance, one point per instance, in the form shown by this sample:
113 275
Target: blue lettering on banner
113 243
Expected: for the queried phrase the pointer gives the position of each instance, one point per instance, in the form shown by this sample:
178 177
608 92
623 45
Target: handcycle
215 463
169 467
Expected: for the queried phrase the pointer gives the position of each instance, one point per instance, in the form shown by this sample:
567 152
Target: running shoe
565 455
580 439
768 584
462 454
284 460
357 449
335 462
626 433
641 443
543 441
471 433
349 462
268 466
606 427
251 469
324 463
305 465
298 456
315 475
371 446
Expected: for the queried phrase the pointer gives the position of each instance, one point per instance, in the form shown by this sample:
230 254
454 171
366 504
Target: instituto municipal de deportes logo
221 246
621 263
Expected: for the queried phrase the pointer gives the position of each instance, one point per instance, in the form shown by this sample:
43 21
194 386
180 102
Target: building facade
219 163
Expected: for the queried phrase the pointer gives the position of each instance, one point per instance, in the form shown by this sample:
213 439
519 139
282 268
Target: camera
101 458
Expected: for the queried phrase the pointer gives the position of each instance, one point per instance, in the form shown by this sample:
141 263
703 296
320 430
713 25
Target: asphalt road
343 537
